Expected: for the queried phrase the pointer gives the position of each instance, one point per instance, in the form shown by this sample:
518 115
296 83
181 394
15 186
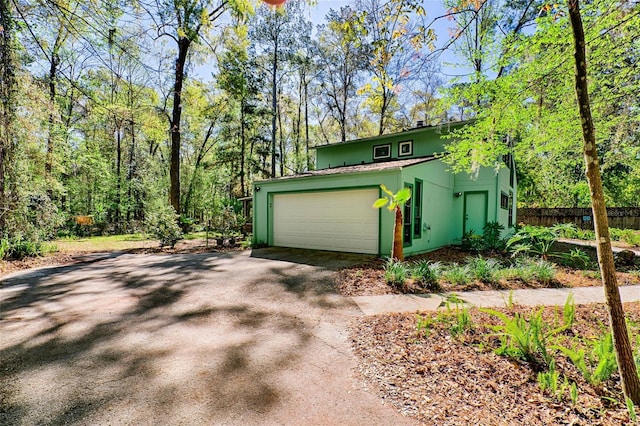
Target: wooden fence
619 217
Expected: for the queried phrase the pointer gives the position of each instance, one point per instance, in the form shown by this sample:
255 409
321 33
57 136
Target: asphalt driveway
194 339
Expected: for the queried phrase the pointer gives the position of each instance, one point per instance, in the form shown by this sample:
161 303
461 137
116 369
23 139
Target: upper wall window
405 148
381 152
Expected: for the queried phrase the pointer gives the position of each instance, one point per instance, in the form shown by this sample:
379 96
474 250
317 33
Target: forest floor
441 368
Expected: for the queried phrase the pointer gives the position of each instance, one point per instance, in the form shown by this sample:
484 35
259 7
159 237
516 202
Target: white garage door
327 220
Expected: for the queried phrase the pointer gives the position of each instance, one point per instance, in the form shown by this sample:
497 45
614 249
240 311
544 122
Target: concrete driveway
195 339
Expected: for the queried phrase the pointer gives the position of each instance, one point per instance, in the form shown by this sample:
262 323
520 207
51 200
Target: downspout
498 196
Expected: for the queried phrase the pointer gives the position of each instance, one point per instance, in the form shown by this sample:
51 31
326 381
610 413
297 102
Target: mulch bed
439 379
443 380
368 279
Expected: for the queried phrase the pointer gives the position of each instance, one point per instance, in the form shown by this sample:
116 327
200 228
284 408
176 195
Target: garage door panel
327 220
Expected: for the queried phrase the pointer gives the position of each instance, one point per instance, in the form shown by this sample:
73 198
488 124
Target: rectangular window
381 152
405 148
417 210
408 219
510 209
504 200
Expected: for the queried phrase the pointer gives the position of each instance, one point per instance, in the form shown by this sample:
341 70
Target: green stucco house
331 208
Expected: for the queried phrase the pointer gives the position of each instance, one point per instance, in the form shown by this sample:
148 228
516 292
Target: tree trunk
118 212
624 352
282 147
306 122
202 152
7 108
398 250
131 172
176 115
243 146
274 106
53 72
298 127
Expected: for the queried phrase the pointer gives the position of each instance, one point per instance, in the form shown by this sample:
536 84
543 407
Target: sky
434 9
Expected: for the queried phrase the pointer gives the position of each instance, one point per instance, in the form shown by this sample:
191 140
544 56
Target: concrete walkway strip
373 305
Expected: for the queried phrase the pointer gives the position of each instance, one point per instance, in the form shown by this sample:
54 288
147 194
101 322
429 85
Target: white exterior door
327 220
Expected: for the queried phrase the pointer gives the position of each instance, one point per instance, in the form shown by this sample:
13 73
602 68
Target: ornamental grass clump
528 270
427 273
457 274
396 272
483 269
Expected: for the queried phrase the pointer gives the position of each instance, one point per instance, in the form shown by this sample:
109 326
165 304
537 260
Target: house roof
360 168
407 131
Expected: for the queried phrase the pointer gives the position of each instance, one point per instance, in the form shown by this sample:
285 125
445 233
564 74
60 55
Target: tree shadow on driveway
331 260
148 339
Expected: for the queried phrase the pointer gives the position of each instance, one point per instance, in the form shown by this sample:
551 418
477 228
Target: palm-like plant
395 202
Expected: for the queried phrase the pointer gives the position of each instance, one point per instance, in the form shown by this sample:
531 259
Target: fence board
619 217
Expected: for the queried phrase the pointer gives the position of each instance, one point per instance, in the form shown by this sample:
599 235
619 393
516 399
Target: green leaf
384 188
380 202
403 196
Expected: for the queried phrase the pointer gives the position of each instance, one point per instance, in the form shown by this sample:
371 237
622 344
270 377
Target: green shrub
162 224
396 272
186 224
576 258
586 234
615 234
527 270
4 248
604 359
471 241
601 360
484 269
522 338
457 274
19 248
631 237
462 322
565 230
426 272
491 239
533 240
543 271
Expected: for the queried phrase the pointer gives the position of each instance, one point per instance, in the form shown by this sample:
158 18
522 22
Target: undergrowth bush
427 273
20 248
489 240
162 224
396 272
457 274
484 269
527 270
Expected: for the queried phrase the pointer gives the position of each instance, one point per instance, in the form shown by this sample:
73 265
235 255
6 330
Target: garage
327 220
